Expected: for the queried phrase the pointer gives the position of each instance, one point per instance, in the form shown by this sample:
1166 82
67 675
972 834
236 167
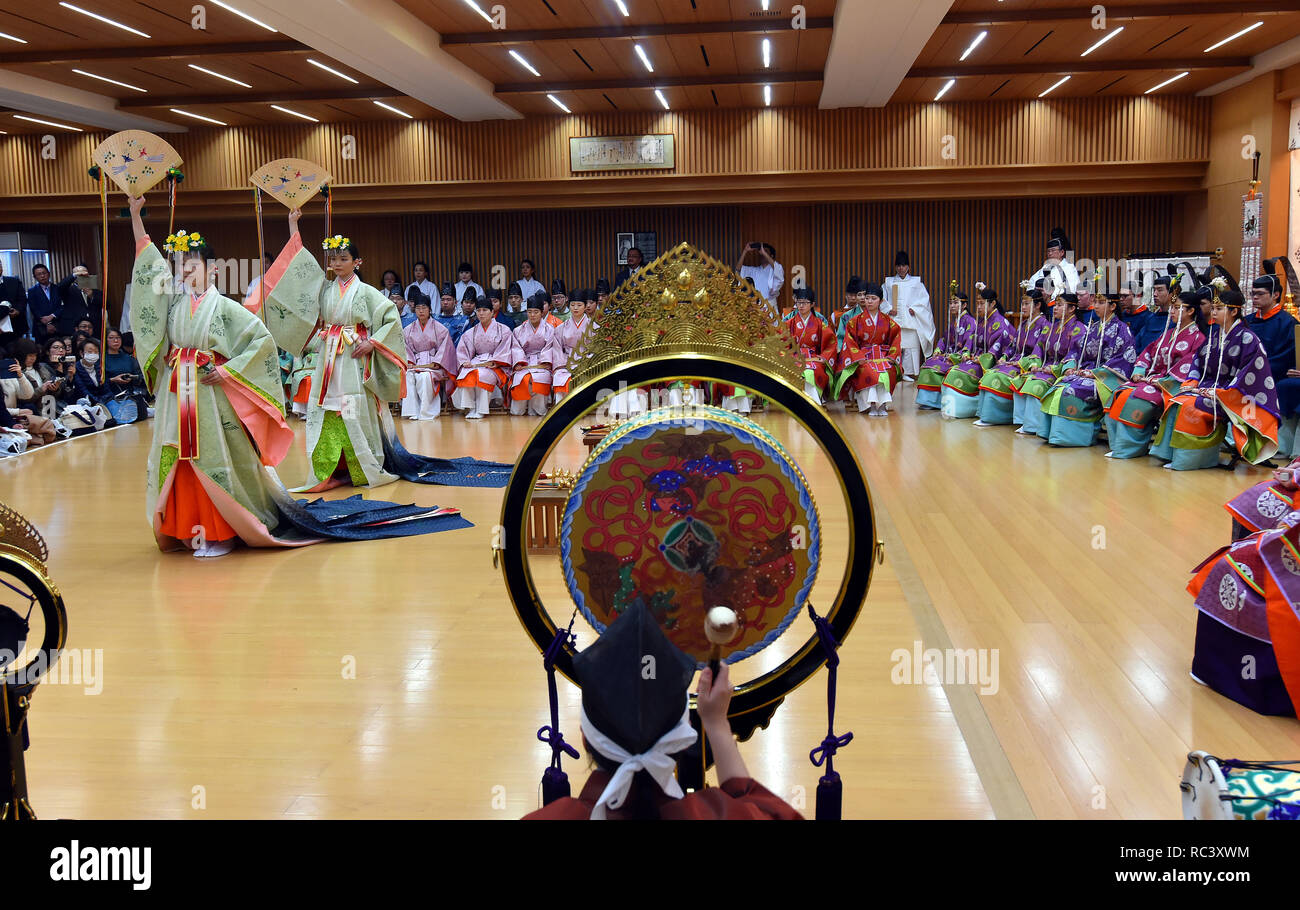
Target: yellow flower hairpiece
952 286
337 242
183 241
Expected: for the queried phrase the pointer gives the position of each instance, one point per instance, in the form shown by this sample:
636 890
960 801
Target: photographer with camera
57 368
758 263
82 301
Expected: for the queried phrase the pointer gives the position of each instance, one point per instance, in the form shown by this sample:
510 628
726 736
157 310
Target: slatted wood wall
793 141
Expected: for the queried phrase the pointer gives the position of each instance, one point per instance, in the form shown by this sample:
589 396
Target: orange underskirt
189 507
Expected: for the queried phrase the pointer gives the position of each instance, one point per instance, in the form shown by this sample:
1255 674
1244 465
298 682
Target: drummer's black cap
632 700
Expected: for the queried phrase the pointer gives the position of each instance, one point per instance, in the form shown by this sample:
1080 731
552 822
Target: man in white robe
908 302
1058 266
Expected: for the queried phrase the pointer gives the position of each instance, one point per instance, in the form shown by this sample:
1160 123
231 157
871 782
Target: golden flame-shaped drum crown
18 535
684 303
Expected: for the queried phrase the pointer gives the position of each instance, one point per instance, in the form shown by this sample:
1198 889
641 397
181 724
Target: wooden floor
224 682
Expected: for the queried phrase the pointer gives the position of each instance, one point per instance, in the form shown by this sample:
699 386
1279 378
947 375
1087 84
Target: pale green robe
306 294
161 320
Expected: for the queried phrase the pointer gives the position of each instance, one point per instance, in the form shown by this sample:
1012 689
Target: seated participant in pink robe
530 387
431 362
484 357
567 338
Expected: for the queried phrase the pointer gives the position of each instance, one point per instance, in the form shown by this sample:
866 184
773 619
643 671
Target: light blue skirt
1286 438
1067 432
1033 414
994 408
1018 409
927 398
1125 441
958 406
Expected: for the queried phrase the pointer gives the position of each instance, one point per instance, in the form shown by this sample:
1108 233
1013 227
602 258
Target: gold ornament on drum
685 303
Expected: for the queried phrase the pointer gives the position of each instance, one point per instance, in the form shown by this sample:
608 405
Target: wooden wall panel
794 141
997 241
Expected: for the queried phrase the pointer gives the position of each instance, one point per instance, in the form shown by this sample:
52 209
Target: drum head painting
689 512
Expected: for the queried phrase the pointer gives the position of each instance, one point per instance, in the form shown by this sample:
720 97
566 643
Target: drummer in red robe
870 362
816 345
634 727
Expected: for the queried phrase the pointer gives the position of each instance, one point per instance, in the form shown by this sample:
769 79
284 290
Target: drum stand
14 702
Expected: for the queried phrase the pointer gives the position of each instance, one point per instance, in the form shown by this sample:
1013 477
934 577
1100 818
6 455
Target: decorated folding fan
135 160
292 181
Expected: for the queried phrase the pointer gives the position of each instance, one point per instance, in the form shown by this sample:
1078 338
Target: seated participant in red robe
634 728
816 345
870 362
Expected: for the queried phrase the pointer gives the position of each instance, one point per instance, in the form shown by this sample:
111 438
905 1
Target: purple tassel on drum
555 783
830 789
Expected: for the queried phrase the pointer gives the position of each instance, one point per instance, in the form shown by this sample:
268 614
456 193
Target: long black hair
1193 299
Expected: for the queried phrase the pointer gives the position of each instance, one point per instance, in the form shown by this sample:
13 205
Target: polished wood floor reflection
226 690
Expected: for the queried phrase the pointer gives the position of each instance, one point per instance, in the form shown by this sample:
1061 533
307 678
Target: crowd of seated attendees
56 380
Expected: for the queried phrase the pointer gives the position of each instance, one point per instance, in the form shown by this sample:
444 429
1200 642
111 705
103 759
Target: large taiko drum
689 511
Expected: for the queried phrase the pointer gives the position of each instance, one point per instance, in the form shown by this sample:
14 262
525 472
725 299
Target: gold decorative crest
685 302
18 535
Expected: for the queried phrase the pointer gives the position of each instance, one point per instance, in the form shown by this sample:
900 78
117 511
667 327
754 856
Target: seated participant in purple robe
997 396
955 342
1230 395
1102 358
1158 375
1246 595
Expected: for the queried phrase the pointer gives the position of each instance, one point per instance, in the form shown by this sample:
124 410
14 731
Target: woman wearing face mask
88 368
1158 375
1229 395
996 397
957 339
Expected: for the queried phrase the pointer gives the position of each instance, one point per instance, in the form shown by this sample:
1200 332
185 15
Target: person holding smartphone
16 388
123 376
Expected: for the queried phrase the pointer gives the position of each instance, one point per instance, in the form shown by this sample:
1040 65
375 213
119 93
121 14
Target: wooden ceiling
705 54
1031 44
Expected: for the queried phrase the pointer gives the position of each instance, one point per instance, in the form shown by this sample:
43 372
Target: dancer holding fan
355 333
220 419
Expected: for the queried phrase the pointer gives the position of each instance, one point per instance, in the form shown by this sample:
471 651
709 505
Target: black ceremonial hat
632 700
